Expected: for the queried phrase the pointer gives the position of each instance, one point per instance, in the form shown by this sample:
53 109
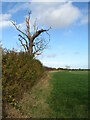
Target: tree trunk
30 51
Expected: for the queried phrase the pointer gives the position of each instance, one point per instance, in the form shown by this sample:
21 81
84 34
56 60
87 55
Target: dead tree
32 43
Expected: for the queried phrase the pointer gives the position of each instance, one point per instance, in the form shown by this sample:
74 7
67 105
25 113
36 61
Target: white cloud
84 20
63 64
51 55
0 7
22 25
55 64
56 15
19 7
5 24
5 20
5 16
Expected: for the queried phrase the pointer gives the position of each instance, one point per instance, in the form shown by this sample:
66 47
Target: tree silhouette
32 43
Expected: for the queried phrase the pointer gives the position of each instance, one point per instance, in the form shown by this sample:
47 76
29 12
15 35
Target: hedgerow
19 73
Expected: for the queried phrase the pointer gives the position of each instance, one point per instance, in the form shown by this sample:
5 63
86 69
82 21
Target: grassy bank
57 95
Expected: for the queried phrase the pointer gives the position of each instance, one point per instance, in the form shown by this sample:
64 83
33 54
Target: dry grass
12 112
34 102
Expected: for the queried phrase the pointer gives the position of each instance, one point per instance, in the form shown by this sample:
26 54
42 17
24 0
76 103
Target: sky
68 44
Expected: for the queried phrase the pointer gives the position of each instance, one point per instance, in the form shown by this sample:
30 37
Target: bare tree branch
25 40
22 38
22 44
33 45
18 29
35 28
37 33
28 25
39 47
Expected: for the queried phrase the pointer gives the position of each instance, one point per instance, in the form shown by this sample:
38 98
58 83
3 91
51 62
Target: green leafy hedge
19 73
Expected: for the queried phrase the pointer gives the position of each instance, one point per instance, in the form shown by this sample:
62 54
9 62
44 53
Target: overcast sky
68 36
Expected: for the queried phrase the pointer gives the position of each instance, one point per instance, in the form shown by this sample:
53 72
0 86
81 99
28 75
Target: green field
69 97
57 95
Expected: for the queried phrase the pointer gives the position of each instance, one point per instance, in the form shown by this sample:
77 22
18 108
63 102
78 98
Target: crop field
69 97
61 94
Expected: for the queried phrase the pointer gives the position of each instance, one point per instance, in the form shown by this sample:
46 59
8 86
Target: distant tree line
52 69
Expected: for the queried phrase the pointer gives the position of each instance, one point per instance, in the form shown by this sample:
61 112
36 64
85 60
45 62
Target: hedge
19 73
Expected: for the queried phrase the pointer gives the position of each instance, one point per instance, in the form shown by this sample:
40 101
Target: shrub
19 73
